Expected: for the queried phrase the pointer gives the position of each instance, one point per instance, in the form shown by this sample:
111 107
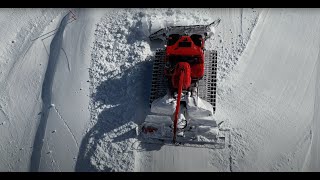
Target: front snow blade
165 139
188 30
220 144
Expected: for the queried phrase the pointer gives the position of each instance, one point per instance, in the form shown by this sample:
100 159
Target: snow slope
21 74
265 93
314 156
44 62
271 99
72 91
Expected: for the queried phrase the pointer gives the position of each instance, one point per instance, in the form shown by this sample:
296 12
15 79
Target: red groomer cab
184 53
184 65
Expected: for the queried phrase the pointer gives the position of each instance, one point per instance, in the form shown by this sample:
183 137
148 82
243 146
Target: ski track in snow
67 126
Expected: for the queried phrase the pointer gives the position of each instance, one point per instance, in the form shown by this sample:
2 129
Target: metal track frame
158 84
207 88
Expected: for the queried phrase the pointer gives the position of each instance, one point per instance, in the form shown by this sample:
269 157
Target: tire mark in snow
45 47
230 153
46 94
73 19
67 59
55 33
4 114
73 15
65 123
230 165
241 16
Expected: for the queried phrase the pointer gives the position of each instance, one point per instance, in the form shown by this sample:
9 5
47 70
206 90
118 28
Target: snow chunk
165 105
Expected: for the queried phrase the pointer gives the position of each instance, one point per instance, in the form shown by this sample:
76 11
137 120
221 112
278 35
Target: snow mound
119 76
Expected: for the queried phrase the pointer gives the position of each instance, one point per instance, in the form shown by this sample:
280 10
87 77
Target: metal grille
158 83
207 88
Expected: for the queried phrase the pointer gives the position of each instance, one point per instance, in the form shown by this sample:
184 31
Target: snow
272 94
99 75
164 105
198 108
23 67
71 76
20 82
313 157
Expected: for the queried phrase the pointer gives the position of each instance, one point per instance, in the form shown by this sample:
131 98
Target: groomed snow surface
75 83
